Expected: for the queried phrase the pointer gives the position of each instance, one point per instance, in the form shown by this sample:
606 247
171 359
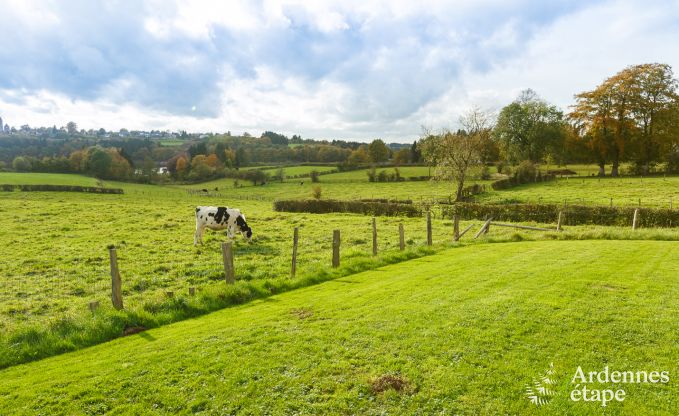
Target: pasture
459 332
54 247
655 191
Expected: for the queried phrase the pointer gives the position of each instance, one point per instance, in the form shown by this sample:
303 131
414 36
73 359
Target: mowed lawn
464 331
654 192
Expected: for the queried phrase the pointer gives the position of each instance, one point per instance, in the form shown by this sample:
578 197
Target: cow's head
243 227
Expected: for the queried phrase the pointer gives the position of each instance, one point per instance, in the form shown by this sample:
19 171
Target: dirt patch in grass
390 381
133 330
302 313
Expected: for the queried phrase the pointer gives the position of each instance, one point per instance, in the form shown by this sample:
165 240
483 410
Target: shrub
526 172
372 175
485 173
314 176
316 206
573 214
316 192
60 188
500 166
21 164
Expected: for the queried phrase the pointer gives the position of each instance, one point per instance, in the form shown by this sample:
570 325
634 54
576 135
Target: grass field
55 247
463 332
331 189
302 170
625 191
46 179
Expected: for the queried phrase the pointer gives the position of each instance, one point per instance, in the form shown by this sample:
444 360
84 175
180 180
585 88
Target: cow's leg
198 236
230 232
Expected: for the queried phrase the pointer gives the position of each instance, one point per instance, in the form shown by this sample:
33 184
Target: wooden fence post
227 255
456 227
558 224
374 237
295 241
401 237
116 282
336 248
634 220
429 239
94 305
484 227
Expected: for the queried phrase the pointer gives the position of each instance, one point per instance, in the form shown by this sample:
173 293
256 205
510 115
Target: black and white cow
219 218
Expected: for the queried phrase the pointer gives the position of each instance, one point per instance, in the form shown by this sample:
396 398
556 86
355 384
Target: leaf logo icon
541 391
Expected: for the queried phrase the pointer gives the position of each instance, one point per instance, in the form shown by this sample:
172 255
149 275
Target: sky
356 70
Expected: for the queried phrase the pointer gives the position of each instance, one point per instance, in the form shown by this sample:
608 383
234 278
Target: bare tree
453 154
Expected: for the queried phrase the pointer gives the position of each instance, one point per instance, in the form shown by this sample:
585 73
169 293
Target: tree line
632 116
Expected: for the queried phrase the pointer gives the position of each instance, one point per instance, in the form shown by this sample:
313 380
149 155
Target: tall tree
654 97
71 127
529 128
378 151
453 154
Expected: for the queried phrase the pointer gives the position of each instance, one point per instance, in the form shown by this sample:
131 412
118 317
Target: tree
241 158
628 114
276 138
182 167
72 128
593 120
99 162
453 154
653 98
401 157
529 128
378 151
415 153
21 164
359 156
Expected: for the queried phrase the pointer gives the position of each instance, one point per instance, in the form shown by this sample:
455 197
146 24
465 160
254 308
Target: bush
314 176
485 173
526 172
500 166
573 214
60 188
315 206
21 164
316 192
372 175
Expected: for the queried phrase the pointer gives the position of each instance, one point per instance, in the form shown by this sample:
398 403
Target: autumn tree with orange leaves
630 116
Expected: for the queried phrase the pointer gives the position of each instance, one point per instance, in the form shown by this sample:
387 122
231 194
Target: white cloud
334 69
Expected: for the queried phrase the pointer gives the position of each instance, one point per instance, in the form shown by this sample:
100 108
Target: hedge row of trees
572 214
105 163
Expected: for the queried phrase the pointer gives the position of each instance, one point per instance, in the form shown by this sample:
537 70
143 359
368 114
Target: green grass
302 170
54 247
330 189
625 191
46 179
467 329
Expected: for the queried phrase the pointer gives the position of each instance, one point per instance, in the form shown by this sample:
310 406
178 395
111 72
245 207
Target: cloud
334 69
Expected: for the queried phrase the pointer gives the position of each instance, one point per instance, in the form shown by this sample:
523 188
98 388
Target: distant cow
220 218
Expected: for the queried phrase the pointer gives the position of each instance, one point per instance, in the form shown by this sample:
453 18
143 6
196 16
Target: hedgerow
571 214
314 206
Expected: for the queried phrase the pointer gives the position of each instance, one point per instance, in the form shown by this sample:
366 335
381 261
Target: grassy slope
468 328
653 192
46 179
